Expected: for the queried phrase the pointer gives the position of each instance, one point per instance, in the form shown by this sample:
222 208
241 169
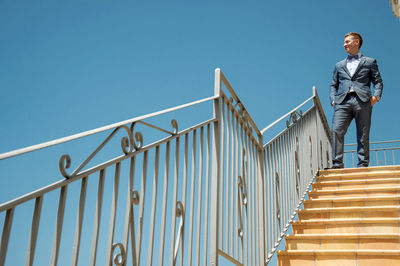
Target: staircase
351 217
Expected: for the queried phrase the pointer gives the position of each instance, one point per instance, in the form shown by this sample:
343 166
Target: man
350 95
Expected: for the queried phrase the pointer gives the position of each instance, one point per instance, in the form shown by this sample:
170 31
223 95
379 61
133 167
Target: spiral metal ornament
240 233
135 197
127 143
120 258
138 138
179 209
174 125
64 163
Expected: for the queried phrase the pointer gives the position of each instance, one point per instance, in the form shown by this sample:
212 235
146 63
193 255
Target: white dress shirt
352 65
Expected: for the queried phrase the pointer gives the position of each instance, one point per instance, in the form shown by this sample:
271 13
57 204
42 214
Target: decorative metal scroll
311 156
293 117
134 140
180 212
297 165
242 193
278 207
242 113
119 258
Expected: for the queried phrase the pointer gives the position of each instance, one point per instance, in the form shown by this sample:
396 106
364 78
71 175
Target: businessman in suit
351 98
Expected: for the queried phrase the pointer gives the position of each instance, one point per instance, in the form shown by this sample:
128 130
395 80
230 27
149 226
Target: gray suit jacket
366 73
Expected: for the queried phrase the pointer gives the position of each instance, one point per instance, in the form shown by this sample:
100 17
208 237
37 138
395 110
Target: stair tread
374 169
358 181
361 252
351 220
346 199
392 188
341 236
340 209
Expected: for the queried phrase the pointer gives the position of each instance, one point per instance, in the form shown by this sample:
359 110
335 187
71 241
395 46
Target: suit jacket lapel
362 62
345 67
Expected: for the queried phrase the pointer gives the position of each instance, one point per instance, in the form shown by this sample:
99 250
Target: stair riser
343 260
310 204
390 228
342 244
347 215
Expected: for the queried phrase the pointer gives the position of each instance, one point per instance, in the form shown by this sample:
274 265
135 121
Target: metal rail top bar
282 117
234 95
47 144
376 142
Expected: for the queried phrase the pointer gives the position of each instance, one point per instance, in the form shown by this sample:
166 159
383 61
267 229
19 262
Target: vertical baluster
96 228
184 188
174 201
192 192
205 249
384 155
222 176
214 233
288 178
6 235
199 196
251 196
236 220
34 231
164 204
59 225
153 205
113 214
141 208
129 219
232 185
394 160
79 221
244 177
228 176
268 196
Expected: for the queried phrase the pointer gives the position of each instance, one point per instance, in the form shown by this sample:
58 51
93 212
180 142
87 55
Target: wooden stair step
350 212
357 176
343 241
352 202
360 183
338 257
359 171
365 225
355 192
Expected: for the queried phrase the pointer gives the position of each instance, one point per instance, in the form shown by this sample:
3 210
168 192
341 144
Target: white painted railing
209 192
380 153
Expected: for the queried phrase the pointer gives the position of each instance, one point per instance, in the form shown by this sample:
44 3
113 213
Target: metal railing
213 190
381 153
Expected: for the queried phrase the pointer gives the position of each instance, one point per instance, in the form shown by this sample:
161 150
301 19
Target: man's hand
373 100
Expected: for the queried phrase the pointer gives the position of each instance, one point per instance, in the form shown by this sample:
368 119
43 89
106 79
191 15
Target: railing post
214 218
260 202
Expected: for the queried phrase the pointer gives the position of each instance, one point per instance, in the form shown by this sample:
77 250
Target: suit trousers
351 107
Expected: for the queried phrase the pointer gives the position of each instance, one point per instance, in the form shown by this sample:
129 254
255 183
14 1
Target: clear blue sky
71 66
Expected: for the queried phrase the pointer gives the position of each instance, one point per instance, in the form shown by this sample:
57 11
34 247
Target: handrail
55 142
287 114
231 90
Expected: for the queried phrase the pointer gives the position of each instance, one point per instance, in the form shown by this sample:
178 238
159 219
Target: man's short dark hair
355 35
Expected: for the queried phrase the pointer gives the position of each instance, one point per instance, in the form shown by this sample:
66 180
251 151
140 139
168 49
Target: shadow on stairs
352 217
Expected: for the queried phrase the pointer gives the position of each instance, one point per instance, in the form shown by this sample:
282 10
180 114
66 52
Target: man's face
351 45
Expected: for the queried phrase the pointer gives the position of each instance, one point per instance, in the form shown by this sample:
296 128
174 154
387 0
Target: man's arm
376 79
334 86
